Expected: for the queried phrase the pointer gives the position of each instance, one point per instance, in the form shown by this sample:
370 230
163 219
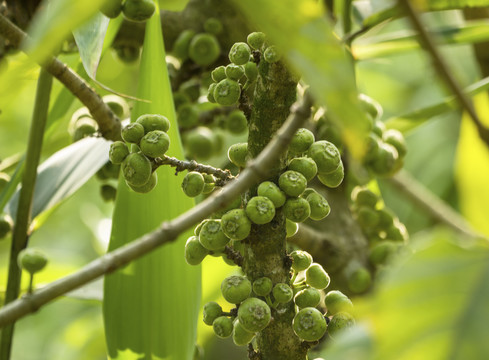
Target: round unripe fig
148 186
108 192
234 72
241 336
136 169
240 53
199 142
317 277
213 26
204 49
155 143
32 260
386 218
396 139
307 192
340 322
251 71
326 156
218 74
372 107
293 183
194 251
236 122
211 235
385 161
238 153
301 260
210 93
193 184
152 122
5 225
188 116
301 141
367 217
133 133
291 228
364 196
308 297
304 165
138 10
118 152
254 314
223 327
359 280
256 40
297 209
235 289
282 293
371 148
209 184
319 206
262 286
333 179
309 324
260 210
271 54
381 252
182 43
212 311
236 225
111 8
227 92
270 190
336 302
397 232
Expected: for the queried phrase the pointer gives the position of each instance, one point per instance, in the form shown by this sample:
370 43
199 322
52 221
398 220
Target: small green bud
182 44
317 277
364 196
308 297
254 314
396 139
118 152
335 301
282 293
319 206
138 10
136 169
111 8
235 289
240 53
219 73
204 49
227 92
293 183
238 153
251 71
199 142
108 192
273 192
262 286
260 210
211 235
271 54
212 311
6 224
194 251
223 327
155 143
333 179
193 184
386 160
291 228
304 165
236 122
234 72
213 26
256 40
152 122
301 141
241 336
309 324
148 186
297 209
236 225
32 260
301 260
326 156
359 280
133 133
188 116
339 323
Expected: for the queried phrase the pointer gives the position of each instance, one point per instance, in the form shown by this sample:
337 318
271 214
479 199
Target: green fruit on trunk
227 92
309 324
155 143
297 209
133 133
319 206
301 141
211 311
236 122
262 286
235 289
152 122
148 186
359 280
282 293
301 260
292 183
241 336
336 302
234 72
194 251
223 327
138 10
193 184
238 154
211 235
136 169
260 210
254 314
326 156
304 165
317 277
333 179
256 40
271 54
308 297
219 73
240 53
272 191
236 225
339 323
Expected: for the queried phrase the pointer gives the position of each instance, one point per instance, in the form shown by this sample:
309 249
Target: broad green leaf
306 38
151 306
355 344
173 5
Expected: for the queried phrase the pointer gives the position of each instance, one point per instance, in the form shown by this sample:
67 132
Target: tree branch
258 169
109 124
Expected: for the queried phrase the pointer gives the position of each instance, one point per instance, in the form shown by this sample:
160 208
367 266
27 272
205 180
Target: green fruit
333 179
372 107
301 141
133 133
291 228
193 184
308 297
148 186
211 235
304 165
209 184
204 49
234 72
282 293
293 183
219 73
182 43
236 225
256 40
262 286
108 192
272 191
326 156
155 143
386 160
83 130
372 147
111 8
335 301
210 93
238 153
307 192
240 53
227 92
194 251
241 336
223 327
396 139
367 217
251 71
260 210
212 311
213 26
339 323
6 224
319 206
359 280
386 218
4 180
32 260
254 314
271 54
317 277
236 122
297 209
199 227
188 116
152 122
396 232
309 324
199 142
138 10
364 196
235 289
301 260
136 169
117 104
381 252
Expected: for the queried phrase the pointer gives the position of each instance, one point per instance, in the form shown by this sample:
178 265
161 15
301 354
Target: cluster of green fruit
148 140
134 10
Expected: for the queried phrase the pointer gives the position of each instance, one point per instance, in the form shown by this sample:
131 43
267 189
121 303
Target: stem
257 170
181 165
20 234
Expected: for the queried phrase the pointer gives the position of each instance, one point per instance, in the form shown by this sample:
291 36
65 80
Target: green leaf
173 5
355 344
306 38
151 306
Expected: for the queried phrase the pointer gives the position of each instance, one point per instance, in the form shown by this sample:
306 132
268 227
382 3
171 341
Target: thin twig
108 122
257 170
192 165
442 68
